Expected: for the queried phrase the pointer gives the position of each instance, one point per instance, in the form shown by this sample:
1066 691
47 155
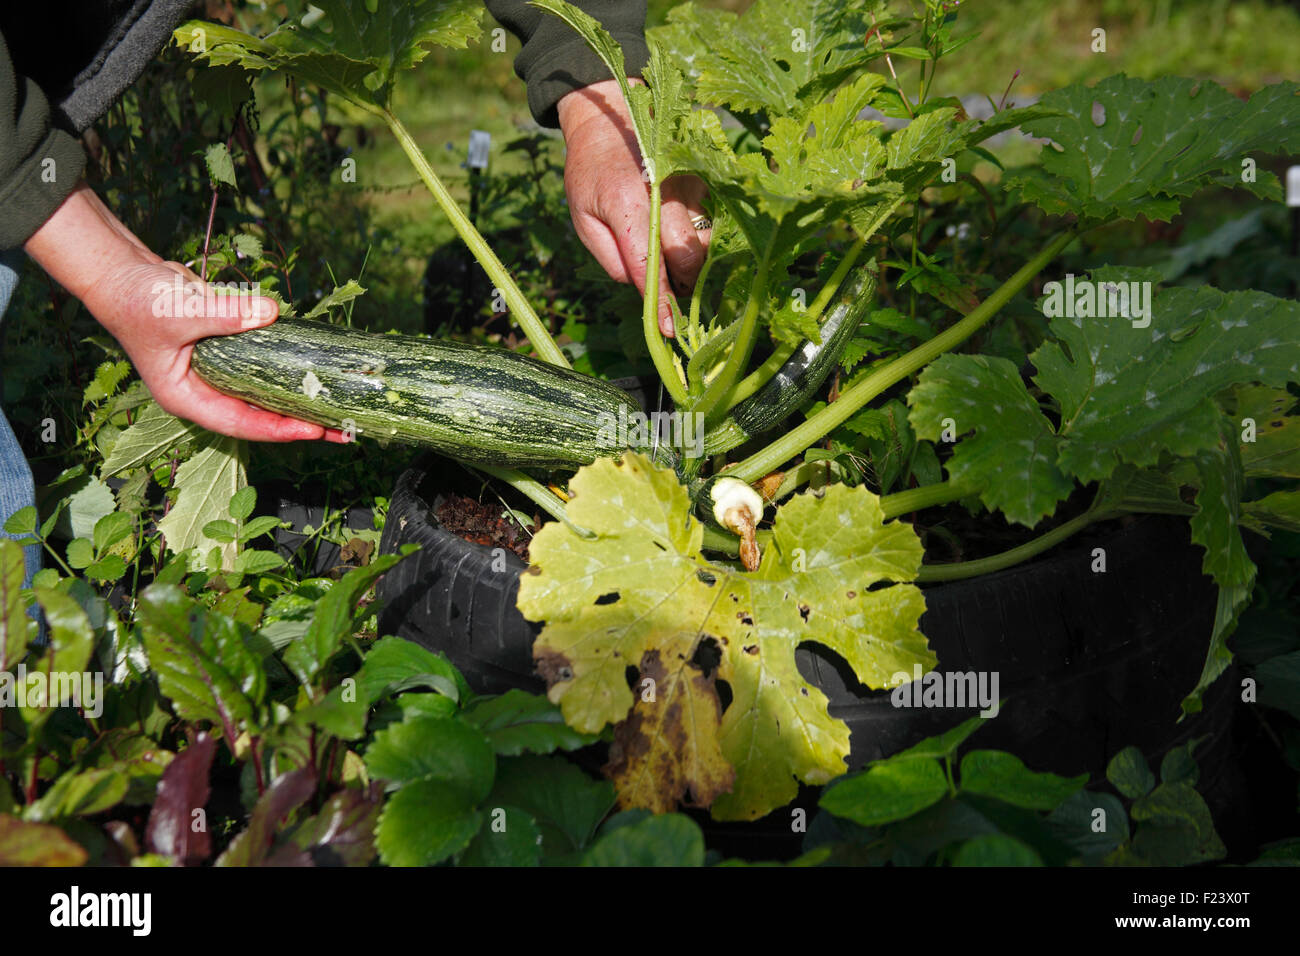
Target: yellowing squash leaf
637 592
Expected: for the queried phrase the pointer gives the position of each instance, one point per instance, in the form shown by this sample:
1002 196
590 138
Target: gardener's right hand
134 295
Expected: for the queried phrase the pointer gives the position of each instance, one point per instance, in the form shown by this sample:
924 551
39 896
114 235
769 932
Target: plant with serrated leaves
638 571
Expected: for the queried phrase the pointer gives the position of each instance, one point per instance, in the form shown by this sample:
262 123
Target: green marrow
477 403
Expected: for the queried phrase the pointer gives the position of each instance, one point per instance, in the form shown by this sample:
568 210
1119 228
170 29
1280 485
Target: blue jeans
17 490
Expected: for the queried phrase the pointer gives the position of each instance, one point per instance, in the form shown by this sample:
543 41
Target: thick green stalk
717 392
534 491
818 426
660 354
533 327
697 294
927 496
957 570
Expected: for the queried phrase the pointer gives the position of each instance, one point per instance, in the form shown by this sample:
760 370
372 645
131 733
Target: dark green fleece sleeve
556 61
39 164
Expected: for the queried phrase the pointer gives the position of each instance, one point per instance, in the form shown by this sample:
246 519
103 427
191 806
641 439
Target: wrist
83 245
602 100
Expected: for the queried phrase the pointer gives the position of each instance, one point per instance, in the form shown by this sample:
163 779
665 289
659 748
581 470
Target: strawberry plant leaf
510 838
1129 147
655 592
428 748
566 804
517 721
667 840
425 822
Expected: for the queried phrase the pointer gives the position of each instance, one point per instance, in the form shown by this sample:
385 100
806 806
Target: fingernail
264 310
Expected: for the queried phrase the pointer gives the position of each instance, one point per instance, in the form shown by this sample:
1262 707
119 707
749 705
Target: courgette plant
1168 409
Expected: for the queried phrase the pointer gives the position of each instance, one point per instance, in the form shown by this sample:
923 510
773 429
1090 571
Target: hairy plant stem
533 327
719 390
697 296
957 570
821 424
660 354
534 491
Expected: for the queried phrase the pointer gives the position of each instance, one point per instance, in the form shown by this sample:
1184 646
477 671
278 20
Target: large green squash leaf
639 593
779 58
1129 147
1126 394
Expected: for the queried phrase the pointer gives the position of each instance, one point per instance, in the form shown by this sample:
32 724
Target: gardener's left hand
609 198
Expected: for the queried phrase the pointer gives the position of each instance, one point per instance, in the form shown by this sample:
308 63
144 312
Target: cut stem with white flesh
533 327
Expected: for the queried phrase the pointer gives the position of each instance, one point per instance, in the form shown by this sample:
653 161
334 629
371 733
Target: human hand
137 296
610 201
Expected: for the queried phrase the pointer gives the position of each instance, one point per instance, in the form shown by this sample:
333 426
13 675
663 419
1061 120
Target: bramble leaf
153 432
204 485
517 721
1129 147
655 593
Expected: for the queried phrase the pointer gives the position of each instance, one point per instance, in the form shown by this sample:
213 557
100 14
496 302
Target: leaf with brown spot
645 547
667 749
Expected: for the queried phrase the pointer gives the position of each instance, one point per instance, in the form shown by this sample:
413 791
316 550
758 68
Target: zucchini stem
660 354
719 390
957 570
534 491
538 334
821 424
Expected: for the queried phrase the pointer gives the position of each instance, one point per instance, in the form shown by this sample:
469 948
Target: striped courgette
477 403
